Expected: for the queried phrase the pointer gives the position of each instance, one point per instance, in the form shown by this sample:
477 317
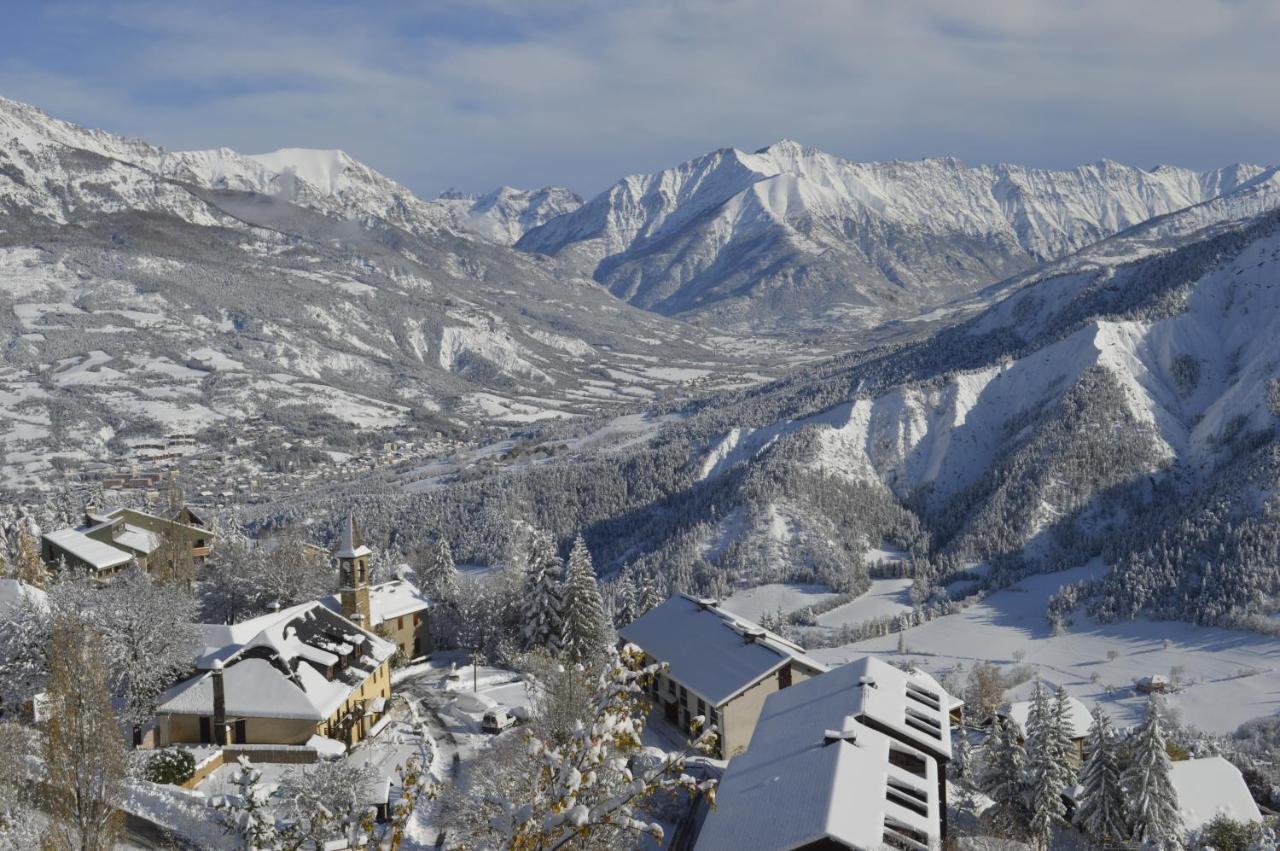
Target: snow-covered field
1229 676
755 603
885 597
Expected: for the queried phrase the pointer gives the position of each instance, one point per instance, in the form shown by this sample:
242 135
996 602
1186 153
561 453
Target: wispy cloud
474 94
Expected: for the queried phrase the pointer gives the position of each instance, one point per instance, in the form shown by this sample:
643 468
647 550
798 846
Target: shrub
171 765
1223 834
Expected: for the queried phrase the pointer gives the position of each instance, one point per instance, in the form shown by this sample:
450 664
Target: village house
1153 684
289 677
395 610
720 666
281 679
1078 721
108 541
852 759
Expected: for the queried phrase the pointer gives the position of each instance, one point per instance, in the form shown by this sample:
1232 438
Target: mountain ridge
848 241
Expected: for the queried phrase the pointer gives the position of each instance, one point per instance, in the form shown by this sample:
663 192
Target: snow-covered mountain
146 294
1126 406
790 236
329 181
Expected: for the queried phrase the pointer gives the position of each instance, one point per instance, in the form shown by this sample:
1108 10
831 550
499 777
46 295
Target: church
317 671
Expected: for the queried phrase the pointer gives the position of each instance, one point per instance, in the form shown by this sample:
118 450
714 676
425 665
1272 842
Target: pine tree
1101 814
84 751
541 616
1153 802
586 629
1047 772
626 599
439 573
650 596
1002 780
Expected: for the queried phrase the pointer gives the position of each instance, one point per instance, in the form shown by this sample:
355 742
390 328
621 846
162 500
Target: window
905 796
901 835
684 695
920 695
784 677
400 622
702 708
908 761
417 618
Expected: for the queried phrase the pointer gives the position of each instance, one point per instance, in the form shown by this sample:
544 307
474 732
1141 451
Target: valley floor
1228 677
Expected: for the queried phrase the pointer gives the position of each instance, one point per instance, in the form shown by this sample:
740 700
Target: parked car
497 719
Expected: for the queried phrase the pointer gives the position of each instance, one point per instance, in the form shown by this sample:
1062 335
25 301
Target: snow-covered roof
96 554
804 779
387 600
273 666
901 703
711 652
13 591
137 538
1209 786
1077 715
352 544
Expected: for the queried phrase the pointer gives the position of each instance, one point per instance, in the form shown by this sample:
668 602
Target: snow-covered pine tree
650 596
1102 806
541 619
586 629
1047 772
1153 802
626 598
439 578
1002 780
1060 741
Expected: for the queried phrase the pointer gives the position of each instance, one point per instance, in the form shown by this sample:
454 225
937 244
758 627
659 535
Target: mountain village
912 487
386 685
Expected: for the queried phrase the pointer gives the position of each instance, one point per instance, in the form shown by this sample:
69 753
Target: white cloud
581 93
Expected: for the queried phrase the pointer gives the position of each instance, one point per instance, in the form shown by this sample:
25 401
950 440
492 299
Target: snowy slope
149 297
790 236
1048 413
329 181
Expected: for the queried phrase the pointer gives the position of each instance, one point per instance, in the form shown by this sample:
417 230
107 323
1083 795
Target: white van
497 719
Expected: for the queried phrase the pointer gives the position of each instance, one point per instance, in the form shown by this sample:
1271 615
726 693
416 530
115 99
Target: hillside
1095 411
790 237
150 300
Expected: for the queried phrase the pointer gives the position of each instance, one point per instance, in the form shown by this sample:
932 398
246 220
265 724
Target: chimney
219 705
848 734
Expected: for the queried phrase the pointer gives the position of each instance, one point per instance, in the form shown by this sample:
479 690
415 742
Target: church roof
352 544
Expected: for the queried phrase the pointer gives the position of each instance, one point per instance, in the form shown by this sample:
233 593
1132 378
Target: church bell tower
353 573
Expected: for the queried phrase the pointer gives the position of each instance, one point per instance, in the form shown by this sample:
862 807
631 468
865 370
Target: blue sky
473 95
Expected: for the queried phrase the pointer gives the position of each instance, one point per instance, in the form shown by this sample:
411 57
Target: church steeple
353 573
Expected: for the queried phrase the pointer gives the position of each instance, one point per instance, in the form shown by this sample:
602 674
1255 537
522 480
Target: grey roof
711 652
818 768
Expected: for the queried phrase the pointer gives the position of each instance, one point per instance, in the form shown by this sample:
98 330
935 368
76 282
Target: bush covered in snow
171 765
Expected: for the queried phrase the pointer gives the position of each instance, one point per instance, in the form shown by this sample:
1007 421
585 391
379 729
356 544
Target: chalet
1078 718
852 759
281 679
1210 787
395 610
719 666
108 541
1154 684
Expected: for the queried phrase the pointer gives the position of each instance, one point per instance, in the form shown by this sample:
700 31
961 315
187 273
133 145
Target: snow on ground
885 597
755 603
1229 676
